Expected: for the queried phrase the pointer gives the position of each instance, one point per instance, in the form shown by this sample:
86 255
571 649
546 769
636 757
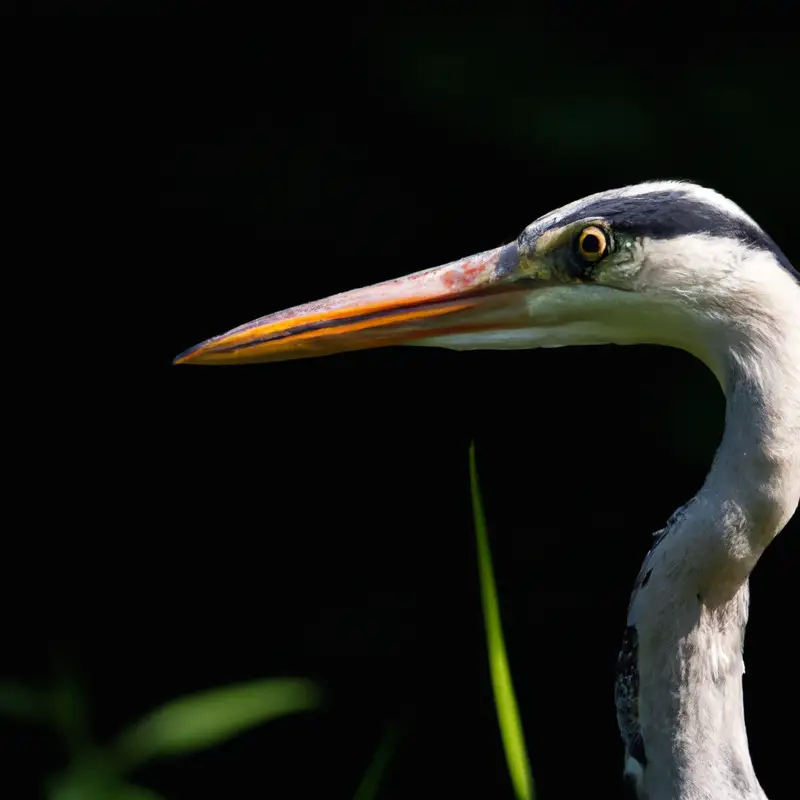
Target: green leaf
208 718
505 701
368 789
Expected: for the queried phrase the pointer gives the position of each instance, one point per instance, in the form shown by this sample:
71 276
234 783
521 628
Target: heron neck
692 616
753 487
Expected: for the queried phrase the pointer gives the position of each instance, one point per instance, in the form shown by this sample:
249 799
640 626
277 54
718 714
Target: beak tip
186 355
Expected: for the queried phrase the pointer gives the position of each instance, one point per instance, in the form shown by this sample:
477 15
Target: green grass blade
505 701
368 789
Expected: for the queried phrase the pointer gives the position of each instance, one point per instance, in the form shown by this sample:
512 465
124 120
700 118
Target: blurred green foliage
208 718
187 724
370 783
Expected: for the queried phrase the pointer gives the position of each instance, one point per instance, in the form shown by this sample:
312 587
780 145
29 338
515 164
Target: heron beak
466 296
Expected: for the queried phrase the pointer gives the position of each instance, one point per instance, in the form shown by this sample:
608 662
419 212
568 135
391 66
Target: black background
190 527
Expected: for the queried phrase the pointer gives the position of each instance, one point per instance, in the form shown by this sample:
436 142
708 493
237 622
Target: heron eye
592 243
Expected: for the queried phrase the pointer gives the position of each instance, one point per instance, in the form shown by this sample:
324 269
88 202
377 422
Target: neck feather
753 487
692 615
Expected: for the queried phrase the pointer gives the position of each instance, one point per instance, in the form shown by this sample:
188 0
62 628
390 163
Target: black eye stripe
667 213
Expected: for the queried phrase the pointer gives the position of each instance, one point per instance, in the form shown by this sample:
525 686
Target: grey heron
669 263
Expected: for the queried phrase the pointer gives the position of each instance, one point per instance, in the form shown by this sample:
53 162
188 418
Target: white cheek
562 304
561 316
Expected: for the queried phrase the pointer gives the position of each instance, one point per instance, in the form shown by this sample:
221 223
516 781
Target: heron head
655 263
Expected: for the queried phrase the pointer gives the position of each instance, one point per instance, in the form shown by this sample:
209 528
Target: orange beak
474 294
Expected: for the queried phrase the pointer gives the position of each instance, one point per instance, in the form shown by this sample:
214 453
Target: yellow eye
592 243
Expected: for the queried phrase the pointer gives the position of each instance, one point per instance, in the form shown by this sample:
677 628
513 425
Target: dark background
194 526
